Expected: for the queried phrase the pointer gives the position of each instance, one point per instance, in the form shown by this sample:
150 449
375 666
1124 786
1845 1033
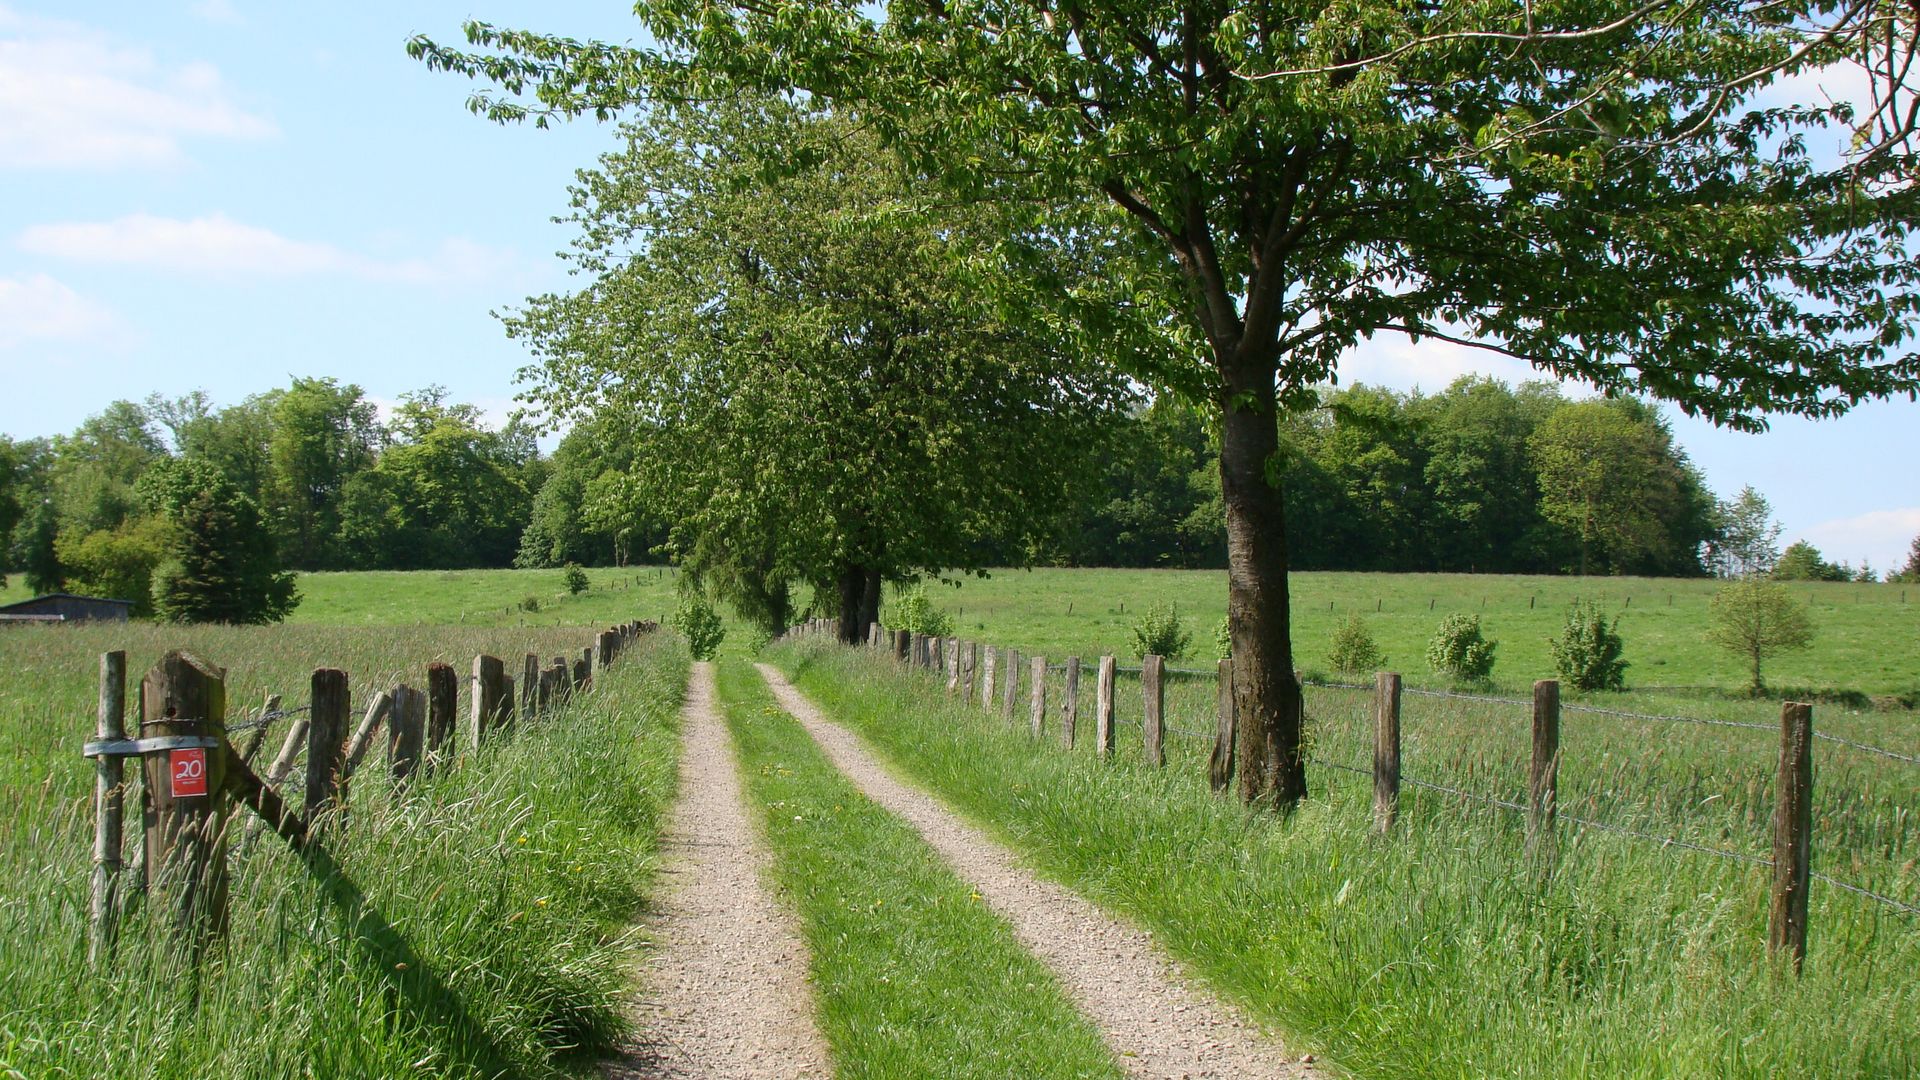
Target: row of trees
305 477
1482 477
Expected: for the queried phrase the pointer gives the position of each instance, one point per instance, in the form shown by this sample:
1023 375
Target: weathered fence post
1792 834
917 651
1386 750
327 719
952 662
485 706
1225 725
380 708
1103 709
109 805
1038 696
603 642
1070 705
1010 686
530 704
989 661
583 673
406 732
185 699
443 691
969 660
1154 693
1543 772
902 642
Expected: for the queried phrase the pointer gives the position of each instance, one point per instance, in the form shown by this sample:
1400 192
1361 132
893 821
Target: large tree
1587 186
796 335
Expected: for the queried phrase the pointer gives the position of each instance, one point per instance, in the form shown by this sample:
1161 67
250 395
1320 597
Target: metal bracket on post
151 744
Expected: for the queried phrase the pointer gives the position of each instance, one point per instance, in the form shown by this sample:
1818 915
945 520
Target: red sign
189 771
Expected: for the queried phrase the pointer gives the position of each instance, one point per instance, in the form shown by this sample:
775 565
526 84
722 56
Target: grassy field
1868 636
484 597
1442 952
914 977
476 926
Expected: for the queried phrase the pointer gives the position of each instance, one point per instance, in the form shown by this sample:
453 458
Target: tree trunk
869 602
853 590
1266 695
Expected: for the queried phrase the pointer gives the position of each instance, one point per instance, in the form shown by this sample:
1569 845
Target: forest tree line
1482 477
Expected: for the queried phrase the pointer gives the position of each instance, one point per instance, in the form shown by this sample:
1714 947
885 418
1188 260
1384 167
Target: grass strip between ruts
1433 953
914 976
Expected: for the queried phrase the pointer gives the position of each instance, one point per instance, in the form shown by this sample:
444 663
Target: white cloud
216 11
217 244
1881 537
70 97
37 308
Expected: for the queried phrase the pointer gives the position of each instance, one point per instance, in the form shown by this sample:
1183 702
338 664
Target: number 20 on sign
189 771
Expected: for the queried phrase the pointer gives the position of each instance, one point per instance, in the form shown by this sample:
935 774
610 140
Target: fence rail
989 675
191 775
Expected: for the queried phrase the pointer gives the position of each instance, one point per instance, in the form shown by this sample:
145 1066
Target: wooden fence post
1038 696
917 651
109 806
379 709
1225 726
327 718
1792 834
1103 709
1543 773
1070 705
485 705
1386 750
989 660
406 732
443 692
1153 689
952 660
902 641
530 703
185 698
1009 686
603 642
969 660
583 673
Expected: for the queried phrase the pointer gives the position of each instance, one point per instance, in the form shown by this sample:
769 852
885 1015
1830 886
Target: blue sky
221 194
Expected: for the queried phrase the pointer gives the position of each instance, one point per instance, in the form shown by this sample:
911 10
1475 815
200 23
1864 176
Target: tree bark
853 590
869 601
1266 694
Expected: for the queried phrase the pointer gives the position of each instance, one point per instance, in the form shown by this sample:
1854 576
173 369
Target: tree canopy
799 342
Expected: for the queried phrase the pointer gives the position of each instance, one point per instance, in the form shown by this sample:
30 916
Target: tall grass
1441 951
472 924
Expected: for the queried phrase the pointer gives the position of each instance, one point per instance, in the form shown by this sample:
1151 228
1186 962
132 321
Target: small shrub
699 624
1223 637
1161 632
913 611
1353 650
1587 652
529 603
1757 620
575 579
1459 651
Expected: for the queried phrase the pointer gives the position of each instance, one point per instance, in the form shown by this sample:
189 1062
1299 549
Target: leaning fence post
185 699
1070 705
1792 834
1543 773
1154 692
326 737
1225 725
109 804
1103 709
1038 697
1386 750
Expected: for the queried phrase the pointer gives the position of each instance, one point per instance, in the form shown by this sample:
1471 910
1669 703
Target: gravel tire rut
1157 1023
725 989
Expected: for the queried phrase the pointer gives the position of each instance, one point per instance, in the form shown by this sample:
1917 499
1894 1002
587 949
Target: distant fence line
190 775
991 675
